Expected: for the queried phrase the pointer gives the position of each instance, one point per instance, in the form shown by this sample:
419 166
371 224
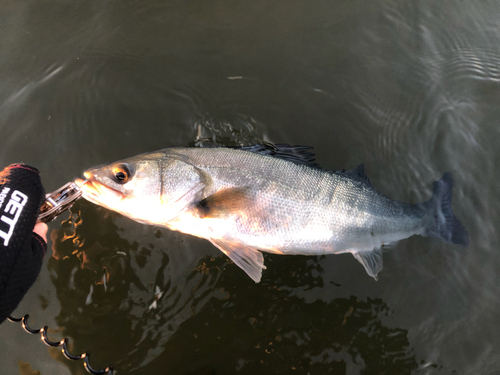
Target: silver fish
269 198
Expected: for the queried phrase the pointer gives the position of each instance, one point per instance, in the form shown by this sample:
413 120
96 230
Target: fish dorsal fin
248 259
295 154
357 174
224 202
371 260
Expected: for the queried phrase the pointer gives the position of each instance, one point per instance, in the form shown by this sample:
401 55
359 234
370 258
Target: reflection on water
283 334
115 288
121 290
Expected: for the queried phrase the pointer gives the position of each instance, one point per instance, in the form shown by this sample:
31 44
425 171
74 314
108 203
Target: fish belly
283 224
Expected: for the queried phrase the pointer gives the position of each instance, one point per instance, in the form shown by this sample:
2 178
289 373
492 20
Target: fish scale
270 198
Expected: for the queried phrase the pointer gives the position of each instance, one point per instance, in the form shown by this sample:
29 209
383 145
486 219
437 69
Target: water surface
409 88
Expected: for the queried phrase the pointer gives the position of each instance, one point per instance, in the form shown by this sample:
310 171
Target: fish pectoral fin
248 259
224 202
371 260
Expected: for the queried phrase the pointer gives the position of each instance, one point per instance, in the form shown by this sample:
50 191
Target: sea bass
270 198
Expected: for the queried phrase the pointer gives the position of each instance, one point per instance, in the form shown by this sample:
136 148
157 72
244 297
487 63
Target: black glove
21 250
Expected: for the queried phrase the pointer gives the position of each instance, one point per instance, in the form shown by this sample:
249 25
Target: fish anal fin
248 259
371 260
224 202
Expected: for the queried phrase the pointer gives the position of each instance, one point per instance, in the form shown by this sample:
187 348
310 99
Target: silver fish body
245 202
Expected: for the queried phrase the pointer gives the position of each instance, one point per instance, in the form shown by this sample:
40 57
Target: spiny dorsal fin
223 203
295 154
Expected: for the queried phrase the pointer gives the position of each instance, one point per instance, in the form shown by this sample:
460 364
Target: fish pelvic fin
371 260
445 225
247 258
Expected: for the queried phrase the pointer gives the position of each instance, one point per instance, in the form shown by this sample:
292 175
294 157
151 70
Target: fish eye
121 173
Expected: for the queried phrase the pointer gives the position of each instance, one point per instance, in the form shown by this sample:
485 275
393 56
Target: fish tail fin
445 225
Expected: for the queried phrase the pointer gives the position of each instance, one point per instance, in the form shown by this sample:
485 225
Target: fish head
150 188
131 186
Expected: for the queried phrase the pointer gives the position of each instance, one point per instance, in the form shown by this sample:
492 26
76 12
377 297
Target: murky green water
409 88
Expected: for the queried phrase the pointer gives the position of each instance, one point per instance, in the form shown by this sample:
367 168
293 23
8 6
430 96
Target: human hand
23 242
41 230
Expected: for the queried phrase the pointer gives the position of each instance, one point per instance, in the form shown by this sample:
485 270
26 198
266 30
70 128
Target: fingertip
41 229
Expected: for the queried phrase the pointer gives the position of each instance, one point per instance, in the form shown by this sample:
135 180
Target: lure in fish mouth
268 198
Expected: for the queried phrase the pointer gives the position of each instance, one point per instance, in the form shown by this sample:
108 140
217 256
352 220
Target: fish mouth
96 192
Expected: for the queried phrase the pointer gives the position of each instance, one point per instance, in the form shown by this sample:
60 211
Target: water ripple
103 276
